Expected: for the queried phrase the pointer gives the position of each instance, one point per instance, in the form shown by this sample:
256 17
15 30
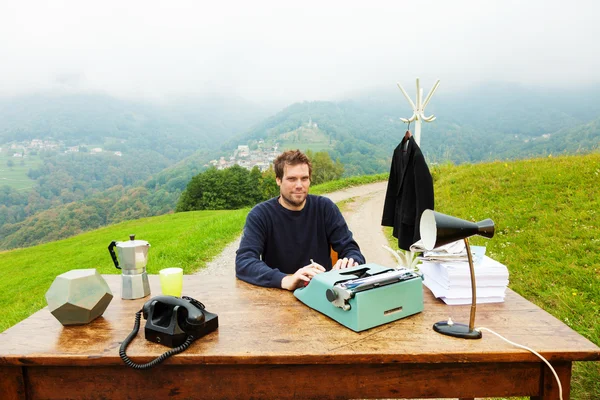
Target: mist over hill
62 154
164 145
486 123
182 124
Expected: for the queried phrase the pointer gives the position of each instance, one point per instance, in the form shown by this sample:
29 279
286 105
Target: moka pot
133 257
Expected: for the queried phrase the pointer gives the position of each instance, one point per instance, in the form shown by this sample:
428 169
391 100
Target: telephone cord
532 351
130 363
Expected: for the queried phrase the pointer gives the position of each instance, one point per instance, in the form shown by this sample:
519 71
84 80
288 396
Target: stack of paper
451 281
455 251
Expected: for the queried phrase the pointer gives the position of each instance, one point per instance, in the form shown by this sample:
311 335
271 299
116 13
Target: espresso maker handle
111 250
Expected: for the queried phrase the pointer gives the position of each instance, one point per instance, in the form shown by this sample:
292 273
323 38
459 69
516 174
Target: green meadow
15 175
305 138
547 234
187 240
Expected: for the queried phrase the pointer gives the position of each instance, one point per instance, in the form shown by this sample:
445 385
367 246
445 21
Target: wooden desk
270 345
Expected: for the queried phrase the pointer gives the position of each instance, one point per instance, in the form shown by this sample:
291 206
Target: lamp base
456 330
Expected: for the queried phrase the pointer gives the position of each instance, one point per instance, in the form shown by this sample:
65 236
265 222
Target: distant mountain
172 142
175 129
488 122
149 137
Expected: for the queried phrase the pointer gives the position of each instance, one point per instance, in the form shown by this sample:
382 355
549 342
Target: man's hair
290 157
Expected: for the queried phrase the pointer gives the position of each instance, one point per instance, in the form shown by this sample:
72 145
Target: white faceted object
78 296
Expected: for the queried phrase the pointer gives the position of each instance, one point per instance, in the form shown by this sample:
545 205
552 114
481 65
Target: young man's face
294 185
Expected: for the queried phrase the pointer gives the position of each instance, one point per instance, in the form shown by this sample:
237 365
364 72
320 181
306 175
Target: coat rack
419 109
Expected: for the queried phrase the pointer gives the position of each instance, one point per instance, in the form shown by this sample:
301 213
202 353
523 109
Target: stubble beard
291 202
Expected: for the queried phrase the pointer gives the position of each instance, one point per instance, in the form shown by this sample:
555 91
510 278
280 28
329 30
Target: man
287 240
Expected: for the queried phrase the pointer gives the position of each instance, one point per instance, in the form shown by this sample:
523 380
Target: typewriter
364 296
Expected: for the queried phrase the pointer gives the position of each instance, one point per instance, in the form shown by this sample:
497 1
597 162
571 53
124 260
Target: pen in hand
315 265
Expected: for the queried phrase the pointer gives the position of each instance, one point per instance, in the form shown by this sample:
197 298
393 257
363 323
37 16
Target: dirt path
363 215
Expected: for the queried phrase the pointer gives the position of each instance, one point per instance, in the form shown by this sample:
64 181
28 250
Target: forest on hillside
493 122
76 190
163 148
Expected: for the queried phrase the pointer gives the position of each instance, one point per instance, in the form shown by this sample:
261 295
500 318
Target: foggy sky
278 52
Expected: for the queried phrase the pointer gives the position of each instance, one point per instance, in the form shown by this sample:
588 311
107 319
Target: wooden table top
270 326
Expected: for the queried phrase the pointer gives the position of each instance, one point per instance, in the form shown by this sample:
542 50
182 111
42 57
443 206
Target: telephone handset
173 322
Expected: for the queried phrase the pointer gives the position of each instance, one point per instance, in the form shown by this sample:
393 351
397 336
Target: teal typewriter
364 296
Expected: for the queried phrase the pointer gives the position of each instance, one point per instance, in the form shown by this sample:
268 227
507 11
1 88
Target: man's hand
304 274
345 263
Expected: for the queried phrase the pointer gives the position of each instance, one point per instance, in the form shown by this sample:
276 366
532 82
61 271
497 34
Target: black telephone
171 321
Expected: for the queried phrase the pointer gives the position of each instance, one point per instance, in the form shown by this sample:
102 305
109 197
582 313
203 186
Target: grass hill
547 234
186 240
547 228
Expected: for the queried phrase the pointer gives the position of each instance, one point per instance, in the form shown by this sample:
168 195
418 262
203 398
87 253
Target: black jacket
409 193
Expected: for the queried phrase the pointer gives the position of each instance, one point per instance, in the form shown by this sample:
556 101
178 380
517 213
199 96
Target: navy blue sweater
277 241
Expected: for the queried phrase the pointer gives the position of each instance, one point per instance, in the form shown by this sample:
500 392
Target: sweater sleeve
248 264
340 237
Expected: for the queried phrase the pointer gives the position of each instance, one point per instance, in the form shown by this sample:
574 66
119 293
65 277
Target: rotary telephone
171 321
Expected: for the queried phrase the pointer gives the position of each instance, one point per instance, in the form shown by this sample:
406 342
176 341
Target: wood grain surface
259 325
270 344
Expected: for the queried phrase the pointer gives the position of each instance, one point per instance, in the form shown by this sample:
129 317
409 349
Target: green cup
171 281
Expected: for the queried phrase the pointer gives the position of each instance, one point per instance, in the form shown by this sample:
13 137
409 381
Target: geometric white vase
78 296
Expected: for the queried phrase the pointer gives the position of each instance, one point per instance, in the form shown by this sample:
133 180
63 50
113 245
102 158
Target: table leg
549 387
12 383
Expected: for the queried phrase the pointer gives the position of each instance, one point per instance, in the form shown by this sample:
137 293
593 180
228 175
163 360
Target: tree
324 169
227 189
269 186
253 186
10 164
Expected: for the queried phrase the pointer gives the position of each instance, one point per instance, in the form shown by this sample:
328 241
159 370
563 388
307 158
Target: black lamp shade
438 229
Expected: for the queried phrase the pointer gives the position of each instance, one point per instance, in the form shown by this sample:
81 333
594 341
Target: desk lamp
438 229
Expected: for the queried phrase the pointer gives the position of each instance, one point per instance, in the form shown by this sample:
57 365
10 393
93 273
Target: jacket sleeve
389 205
249 266
423 192
340 237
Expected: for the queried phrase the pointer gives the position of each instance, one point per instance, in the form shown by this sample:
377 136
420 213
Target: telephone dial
171 321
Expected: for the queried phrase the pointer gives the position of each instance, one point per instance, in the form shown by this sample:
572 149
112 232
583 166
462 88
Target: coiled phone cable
532 351
130 363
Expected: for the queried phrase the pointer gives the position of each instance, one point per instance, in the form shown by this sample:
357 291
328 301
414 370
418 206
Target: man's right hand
304 274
